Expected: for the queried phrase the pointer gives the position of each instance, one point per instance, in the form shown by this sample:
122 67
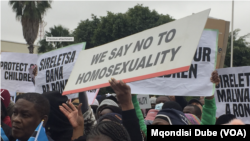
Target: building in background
11 46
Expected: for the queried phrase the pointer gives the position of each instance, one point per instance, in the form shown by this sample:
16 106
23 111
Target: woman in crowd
113 107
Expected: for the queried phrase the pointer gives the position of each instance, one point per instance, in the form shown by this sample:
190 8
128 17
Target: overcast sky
69 14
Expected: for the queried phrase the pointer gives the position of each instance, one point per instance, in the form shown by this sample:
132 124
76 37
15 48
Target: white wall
10 46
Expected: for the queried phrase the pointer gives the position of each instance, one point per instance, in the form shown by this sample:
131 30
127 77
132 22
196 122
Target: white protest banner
144 101
91 94
195 82
12 93
166 49
15 71
232 94
54 68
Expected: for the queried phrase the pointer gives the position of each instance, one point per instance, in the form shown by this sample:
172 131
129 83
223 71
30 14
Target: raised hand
215 78
74 115
123 93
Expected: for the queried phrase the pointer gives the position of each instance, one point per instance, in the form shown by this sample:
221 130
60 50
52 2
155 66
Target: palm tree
56 31
30 13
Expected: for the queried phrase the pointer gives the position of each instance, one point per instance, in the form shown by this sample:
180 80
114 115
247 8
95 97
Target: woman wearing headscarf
105 103
108 109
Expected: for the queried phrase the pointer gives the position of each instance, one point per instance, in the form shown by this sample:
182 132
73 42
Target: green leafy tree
56 31
30 13
241 50
99 31
85 31
114 26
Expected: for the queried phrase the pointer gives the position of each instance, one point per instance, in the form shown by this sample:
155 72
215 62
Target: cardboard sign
233 93
195 82
54 68
162 50
223 27
15 71
144 101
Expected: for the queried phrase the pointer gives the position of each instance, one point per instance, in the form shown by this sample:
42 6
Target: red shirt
7 121
151 114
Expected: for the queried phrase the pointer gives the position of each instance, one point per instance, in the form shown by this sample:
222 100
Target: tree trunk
31 49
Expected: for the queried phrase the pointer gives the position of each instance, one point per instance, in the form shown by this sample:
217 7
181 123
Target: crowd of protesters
113 118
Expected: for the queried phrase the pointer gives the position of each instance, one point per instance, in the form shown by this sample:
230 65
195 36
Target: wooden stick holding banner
162 50
15 97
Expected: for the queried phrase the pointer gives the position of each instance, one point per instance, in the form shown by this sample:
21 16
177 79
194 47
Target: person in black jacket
129 117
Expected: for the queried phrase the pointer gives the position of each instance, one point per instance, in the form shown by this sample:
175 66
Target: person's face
189 110
159 121
105 111
25 119
162 99
100 138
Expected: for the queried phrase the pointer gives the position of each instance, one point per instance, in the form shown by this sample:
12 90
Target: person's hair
41 103
195 101
197 110
226 118
111 129
3 111
172 104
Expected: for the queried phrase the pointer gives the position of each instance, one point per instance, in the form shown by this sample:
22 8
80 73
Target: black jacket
131 123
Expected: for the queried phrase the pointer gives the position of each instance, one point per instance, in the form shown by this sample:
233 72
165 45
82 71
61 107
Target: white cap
153 100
